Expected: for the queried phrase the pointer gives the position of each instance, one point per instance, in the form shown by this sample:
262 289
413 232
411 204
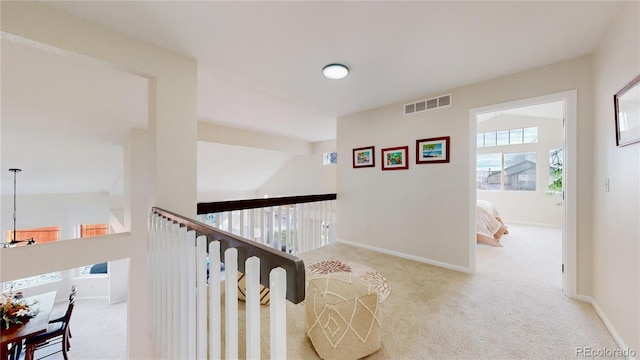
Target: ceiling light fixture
335 71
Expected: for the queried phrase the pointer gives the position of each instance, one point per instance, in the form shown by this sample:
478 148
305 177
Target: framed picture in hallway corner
627 113
364 157
433 150
396 158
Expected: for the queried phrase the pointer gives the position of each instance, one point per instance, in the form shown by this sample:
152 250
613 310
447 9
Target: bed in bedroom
489 224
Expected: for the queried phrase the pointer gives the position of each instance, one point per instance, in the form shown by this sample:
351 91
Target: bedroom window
555 171
520 171
508 137
488 170
510 171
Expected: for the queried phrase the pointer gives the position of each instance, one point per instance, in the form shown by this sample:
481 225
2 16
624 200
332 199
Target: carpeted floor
98 330
512 308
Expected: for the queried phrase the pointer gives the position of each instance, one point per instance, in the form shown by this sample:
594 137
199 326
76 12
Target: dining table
36 325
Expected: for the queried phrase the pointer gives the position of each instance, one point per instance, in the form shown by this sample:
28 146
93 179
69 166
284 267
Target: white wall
65 210
616 214
423 212
532 207
168 178
304 175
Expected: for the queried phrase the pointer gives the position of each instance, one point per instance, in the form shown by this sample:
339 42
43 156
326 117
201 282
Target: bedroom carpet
512 308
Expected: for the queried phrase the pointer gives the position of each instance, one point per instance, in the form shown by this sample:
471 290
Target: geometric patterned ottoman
343 316
372 277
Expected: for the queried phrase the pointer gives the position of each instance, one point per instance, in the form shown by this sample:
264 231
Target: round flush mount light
335 71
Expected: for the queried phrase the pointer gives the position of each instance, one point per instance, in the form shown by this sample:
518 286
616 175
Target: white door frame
569 227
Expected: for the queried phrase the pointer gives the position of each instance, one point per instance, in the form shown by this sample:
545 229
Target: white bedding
489 225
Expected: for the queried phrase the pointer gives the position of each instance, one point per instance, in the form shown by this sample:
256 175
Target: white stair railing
185 324
293 228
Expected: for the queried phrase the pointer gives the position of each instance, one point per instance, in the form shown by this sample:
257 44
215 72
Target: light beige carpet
99 331
512 308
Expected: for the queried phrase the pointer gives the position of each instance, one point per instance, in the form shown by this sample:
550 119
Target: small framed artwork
364 157
395 158
433 150
627 113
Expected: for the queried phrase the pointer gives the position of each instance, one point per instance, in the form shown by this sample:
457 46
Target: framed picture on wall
627 113
433 150
395 158
364 157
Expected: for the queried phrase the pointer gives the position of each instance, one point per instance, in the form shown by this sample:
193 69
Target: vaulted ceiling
259 68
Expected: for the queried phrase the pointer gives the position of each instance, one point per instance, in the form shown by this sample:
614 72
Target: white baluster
287 232
277 228
231 303
152 276
278 313
252 224
191 294
163 310
182 305
215 331
243 231
295 231
263 228
201 307
252 277
316 225
180 315
325 221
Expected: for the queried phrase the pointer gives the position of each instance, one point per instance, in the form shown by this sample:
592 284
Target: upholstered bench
343 316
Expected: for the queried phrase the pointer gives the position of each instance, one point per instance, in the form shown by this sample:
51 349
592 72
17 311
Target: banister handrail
220 206
269 258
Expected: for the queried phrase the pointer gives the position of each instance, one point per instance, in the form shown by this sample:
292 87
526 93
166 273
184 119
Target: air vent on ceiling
428 104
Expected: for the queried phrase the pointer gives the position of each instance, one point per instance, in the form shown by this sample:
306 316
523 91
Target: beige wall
304 175
531 207
424 211
616 214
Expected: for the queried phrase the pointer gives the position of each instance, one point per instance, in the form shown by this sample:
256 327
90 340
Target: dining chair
56 333
58 316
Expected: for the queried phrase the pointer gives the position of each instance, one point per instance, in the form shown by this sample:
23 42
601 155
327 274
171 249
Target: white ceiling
260 64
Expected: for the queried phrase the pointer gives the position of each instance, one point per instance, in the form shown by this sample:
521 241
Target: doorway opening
522 182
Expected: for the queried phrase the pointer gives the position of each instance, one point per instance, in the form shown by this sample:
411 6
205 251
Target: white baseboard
408 257
605 320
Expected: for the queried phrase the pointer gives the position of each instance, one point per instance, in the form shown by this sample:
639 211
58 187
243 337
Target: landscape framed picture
395 158
433 150
627 113
364 157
